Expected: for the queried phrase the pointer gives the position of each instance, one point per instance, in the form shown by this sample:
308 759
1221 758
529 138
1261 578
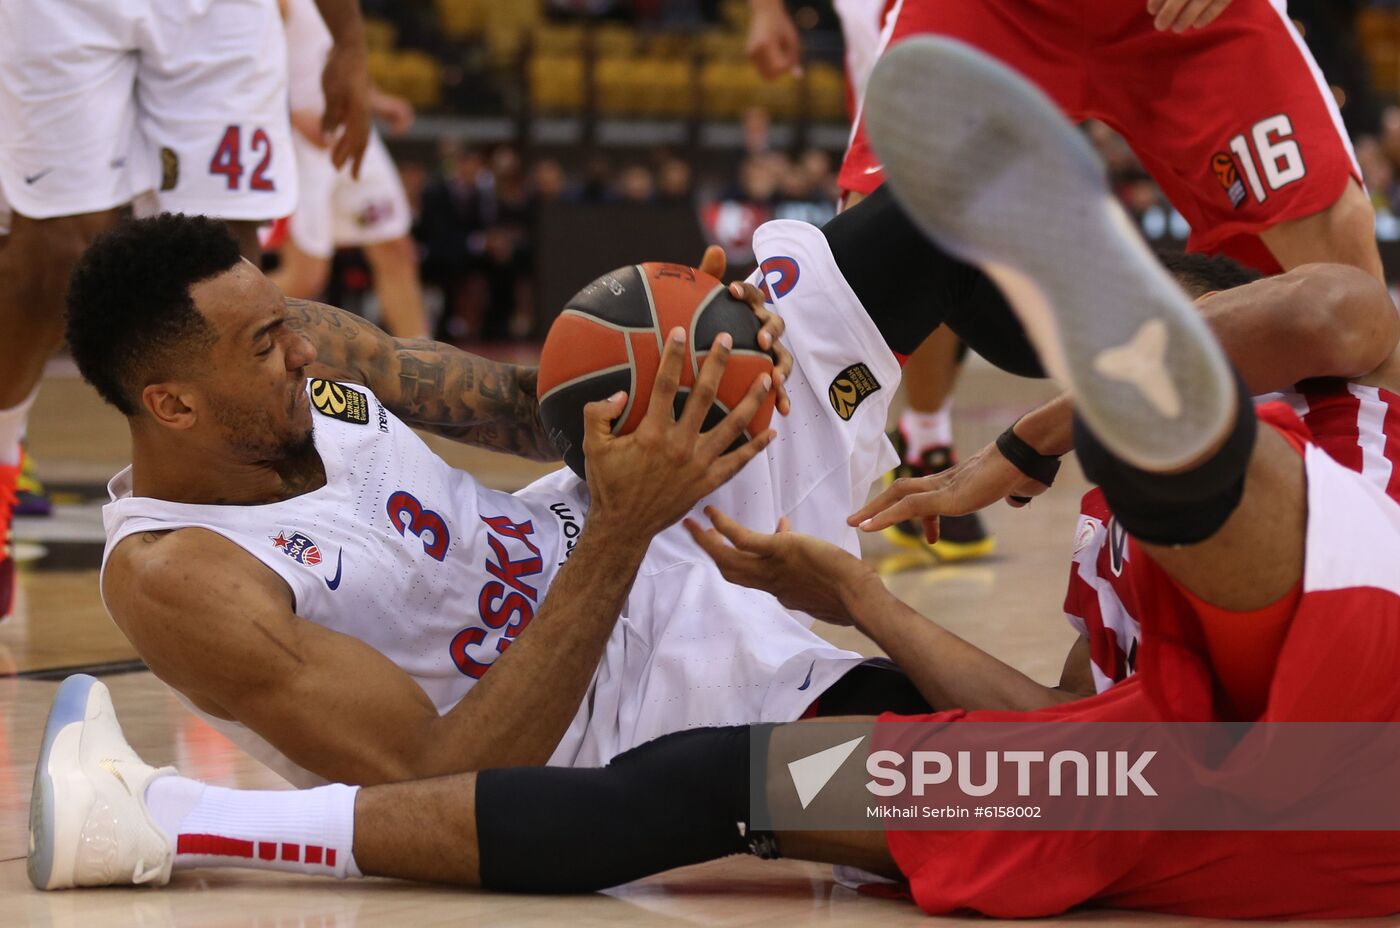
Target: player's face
255 388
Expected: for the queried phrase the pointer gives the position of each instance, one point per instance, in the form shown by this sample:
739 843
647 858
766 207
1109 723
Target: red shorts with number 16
1234 120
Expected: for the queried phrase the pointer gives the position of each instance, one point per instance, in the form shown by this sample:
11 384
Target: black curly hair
131 319
1200 274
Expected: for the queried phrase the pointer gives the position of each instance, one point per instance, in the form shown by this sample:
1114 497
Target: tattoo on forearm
431 386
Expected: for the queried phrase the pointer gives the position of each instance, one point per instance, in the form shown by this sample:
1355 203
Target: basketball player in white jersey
177 102
333 599
1249 523
335 208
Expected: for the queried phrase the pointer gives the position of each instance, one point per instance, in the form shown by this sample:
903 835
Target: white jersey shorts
336 210
103 100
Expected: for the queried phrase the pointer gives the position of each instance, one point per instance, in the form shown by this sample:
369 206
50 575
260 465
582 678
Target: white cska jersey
440 574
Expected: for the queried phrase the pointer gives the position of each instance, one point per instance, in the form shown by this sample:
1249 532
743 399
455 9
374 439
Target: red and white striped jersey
1356 424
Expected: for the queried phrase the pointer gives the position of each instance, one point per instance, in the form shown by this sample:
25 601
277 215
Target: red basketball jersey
1357 425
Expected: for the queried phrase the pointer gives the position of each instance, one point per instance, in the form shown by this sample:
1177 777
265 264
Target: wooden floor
1009 604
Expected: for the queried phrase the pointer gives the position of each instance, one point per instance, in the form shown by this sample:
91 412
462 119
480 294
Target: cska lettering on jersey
507 601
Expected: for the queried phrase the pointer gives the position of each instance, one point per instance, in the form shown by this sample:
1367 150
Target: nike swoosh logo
111 767
808 682
335 583
31 178
875 170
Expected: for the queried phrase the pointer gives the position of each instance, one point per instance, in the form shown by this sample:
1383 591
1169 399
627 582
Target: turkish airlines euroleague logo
850 388
1229 176
339 401
778 277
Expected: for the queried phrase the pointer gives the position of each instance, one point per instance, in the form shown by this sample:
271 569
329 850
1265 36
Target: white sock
299 831
926 430
12 429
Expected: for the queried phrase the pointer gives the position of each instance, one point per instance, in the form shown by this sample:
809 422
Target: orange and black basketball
609 338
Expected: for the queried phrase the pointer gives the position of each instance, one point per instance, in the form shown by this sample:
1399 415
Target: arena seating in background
610 69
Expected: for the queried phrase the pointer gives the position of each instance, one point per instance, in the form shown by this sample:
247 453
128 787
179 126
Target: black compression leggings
909 286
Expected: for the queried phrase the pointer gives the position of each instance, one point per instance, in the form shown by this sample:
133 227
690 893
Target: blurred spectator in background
597 180
636 185
452 229
549 182
673 182
508 257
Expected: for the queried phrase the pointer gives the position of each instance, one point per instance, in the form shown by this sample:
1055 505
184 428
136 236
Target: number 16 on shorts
228 159
1275 161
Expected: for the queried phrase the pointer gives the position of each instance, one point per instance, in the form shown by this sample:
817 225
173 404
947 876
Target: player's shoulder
147 571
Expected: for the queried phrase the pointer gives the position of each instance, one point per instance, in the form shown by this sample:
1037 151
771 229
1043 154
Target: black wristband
1039 467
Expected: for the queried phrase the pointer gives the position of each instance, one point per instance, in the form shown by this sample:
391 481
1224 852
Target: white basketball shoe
988 167
88 823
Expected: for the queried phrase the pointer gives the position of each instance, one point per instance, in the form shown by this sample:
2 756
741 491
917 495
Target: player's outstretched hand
345 82
806 574
1180 15
772 327
967 486
773 45
646 480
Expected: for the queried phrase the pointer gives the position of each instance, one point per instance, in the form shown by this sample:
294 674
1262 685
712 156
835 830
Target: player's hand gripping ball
609 338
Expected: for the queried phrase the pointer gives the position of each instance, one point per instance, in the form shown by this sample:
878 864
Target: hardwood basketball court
1009 604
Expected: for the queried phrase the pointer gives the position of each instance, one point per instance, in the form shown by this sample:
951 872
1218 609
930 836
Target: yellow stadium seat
556 84
504 45
826 93
721 45
380 36
420 77
461 19
614 41
383 71
557 40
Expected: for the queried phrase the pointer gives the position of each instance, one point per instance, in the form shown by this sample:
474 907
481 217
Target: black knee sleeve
1174 509
681 799
909 286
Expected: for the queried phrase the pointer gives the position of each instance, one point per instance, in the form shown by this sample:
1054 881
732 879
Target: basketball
609 338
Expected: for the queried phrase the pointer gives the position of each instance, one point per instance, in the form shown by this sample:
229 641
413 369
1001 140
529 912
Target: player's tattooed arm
429 385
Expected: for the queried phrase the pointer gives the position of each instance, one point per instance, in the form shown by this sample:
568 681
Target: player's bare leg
35 266
300 275
1343 233
397 284
924 440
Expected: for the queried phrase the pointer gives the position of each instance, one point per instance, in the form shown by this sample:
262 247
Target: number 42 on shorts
228 158
1275 161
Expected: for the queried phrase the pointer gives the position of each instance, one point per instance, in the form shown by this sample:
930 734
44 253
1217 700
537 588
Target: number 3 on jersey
408 515
228 159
